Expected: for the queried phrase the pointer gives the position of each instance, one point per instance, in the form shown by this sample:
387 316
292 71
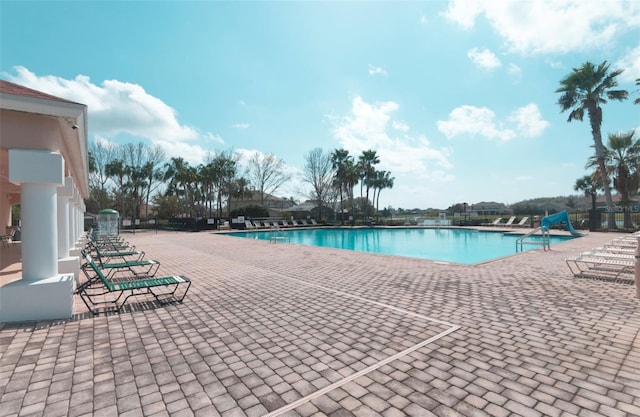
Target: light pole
465 213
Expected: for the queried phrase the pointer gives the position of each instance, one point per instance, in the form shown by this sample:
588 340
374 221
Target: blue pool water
452 245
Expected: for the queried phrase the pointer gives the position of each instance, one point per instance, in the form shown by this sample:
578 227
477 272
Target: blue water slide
562 216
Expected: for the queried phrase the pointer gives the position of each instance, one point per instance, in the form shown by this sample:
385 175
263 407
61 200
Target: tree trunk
595 117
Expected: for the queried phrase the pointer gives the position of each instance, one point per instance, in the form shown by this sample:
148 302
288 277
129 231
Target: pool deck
285 330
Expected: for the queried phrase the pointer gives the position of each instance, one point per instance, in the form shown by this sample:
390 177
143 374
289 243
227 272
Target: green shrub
253 211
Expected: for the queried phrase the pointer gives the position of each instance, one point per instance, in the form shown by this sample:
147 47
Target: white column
72 220
64 217
39 231
42 293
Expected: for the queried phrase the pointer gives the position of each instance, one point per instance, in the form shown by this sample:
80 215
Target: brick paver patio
279 329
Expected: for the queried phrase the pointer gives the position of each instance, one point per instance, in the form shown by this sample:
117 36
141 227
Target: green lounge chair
142 267
98 285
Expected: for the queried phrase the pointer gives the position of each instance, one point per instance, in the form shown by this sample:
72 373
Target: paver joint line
452 328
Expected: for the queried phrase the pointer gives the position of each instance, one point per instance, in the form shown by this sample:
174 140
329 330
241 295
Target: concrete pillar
39 231
67 264
65 217
42 293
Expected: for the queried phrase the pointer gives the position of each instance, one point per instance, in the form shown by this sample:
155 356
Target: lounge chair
597 265
285 223
313 222
294 223
493 223
142 267
522 223
248 225
98 285
111 243
107 255
304 222
509 222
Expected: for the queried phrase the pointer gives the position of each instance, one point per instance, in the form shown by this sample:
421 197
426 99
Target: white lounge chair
493 223
599 266
521 223
509 222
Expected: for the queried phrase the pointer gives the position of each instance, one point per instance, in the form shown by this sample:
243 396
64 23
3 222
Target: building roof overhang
71 140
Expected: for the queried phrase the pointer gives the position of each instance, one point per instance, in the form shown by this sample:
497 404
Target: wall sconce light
71 123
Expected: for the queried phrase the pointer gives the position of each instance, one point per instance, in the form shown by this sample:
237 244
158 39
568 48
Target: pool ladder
278 236
545 242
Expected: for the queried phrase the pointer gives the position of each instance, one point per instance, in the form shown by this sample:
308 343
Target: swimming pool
464 246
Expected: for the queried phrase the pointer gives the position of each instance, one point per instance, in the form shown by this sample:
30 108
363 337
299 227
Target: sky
456 97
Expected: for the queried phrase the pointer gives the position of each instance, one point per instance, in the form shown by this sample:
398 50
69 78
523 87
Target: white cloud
464 13
514 70
240 126
480 121
631 65
117 107
377 70
192 153
554 64
528 121
399 125
366 127
550 26
484 59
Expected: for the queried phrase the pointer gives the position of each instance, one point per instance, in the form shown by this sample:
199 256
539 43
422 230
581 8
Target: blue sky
457 98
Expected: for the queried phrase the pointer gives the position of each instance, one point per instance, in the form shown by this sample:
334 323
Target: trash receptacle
108 222
535 222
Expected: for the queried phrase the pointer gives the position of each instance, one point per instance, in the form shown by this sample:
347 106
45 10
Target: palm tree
179 176
339 158
590 185
351 178
623 156
586 89
367 161
383 180
117 169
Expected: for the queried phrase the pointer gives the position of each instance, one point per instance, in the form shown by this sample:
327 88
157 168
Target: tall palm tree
585 90
179 177
590 185
383 179
339 158
623 156
351 178
367 161
117 169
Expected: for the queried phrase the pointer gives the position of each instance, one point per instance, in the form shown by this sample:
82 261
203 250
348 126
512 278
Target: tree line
617 163
132 178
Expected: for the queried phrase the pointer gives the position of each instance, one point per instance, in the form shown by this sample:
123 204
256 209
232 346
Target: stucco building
44 168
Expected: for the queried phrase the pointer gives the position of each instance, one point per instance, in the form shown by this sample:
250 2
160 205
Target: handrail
545 242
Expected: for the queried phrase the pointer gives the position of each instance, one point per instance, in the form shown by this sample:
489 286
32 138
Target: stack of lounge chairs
116 271
613 261
276 224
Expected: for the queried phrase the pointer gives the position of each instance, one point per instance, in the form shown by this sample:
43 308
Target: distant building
310 209
601 203
275 205
490 208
